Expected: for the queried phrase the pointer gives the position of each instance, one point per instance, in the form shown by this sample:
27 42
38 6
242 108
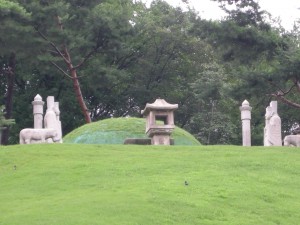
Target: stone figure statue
59 130
272 130
50 121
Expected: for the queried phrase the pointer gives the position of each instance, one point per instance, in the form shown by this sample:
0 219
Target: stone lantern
159 132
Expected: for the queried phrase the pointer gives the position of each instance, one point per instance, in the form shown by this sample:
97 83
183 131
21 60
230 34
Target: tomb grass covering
116 130
76 184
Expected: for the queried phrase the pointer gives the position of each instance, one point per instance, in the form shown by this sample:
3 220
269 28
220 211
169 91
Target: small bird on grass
186 183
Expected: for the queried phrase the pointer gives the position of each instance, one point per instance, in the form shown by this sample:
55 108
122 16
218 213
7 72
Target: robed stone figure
272 130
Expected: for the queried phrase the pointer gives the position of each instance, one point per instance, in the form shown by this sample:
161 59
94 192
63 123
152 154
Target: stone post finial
246 122
38 111
38 98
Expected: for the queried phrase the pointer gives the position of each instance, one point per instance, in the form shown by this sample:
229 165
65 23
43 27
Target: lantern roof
159 104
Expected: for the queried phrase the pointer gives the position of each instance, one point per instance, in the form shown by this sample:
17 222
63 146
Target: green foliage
3 121
128 55
14 20
116 130
215 121
167 59
244 12
110 184
10 8
253 55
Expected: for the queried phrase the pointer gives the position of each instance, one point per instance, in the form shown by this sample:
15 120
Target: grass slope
116 130
130 185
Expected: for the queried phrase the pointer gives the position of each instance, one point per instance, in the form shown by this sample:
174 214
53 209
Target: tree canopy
107 58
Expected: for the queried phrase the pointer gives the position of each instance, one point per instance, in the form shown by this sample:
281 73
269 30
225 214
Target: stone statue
50 121
292 140
29 135
59 130
272 130
52 131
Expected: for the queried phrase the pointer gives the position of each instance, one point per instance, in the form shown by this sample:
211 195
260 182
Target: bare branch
61 70
53 45
81 76
286 101
85 58
285 93
281 91
52 52
279 95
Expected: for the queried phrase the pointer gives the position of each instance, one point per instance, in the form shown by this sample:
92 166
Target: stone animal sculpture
292 140
28 135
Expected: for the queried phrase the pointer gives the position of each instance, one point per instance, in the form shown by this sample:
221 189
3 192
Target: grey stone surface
246 122
159 121
51 119
272 130
292 140
141 141
59 128
38 111
29 135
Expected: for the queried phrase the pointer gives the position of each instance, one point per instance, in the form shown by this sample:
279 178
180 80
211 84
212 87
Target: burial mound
116 130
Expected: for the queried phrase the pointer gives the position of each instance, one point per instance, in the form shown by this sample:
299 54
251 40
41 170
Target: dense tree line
107 58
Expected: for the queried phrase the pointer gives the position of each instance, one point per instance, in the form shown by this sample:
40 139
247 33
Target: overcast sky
287 10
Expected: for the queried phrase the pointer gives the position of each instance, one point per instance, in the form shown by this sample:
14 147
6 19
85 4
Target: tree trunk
9 95
79 96
67 59
76 86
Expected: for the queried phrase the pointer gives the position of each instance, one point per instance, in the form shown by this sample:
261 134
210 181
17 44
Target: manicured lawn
145 185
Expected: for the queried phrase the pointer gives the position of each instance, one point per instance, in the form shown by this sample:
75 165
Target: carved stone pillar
38 111
246 122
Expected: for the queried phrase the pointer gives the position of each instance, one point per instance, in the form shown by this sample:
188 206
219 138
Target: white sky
287 10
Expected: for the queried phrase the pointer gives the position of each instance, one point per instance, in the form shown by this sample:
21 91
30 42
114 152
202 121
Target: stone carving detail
52 131
272 130
292 140
161 111
51 119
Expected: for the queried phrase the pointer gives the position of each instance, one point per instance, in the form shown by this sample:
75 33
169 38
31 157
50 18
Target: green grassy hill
74 184
116 130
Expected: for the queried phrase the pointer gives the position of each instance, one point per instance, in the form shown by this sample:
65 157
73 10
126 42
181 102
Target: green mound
116 130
